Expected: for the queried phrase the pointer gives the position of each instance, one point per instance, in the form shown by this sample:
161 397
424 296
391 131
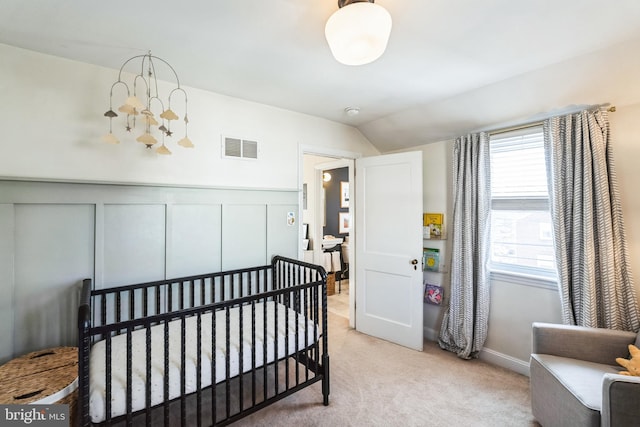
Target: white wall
436 170
515 306
52 124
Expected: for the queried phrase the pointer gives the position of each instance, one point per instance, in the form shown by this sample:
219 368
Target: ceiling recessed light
352 111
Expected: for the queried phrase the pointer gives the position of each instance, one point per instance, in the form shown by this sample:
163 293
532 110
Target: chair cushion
582 379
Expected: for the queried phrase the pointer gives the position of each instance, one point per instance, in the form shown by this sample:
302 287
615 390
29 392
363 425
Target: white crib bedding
97 374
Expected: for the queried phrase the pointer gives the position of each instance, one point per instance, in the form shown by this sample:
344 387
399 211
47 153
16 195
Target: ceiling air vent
239 148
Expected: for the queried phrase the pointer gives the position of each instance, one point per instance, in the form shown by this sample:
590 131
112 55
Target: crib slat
192 289
286 341
117 307
316 309
132 304
145 302
108 379
183 369
275 353
227 363
305 308
103 311
181 294
214 358
297 339
166 372
157 291
129 379
241 355
265 383
147 389
249 282
253 353
199 369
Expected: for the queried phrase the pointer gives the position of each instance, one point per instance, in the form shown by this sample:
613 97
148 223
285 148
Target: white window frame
528 276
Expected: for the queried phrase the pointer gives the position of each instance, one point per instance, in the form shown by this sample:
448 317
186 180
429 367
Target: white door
388 232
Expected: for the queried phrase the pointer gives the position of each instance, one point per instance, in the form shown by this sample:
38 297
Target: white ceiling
451 66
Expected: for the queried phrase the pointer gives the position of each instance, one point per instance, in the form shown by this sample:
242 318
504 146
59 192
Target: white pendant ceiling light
358 32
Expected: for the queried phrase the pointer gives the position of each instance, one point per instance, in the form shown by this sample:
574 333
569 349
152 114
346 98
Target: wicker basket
46 376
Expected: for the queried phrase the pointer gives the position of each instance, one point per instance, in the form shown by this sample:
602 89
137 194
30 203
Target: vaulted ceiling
451 66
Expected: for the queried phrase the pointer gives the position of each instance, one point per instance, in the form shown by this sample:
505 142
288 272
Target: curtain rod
514 128
611 109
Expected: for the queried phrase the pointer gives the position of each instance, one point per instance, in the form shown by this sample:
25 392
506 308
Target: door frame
346 158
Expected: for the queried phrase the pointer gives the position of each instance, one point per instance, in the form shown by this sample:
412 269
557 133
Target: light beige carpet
338 303
376 383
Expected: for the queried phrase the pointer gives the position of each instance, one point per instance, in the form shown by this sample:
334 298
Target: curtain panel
465 323
595 281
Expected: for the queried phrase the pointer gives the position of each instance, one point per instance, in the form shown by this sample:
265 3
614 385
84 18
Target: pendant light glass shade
358 33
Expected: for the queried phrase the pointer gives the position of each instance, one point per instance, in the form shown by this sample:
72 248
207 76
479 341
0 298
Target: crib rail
118 304
106 314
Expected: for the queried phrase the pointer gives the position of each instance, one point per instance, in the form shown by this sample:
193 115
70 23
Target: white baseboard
505 361
490 356
430 334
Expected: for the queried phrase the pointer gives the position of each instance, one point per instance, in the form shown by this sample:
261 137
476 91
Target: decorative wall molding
57 233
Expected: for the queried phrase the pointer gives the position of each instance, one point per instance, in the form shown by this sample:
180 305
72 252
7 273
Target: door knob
414 262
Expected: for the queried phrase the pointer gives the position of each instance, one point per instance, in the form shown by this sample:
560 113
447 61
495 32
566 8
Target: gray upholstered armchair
575 380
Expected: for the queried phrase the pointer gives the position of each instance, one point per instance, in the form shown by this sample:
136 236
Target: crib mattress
306 332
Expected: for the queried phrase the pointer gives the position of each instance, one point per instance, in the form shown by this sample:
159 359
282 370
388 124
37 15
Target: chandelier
144 106
358 31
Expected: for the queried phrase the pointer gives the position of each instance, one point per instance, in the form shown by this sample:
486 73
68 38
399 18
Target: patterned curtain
465 323
595 282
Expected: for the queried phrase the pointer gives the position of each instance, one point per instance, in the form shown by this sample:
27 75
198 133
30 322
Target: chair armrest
620 400
577 342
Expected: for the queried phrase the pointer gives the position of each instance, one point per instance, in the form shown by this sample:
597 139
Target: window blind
517 165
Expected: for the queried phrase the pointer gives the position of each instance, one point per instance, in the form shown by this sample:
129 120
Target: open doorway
327 214
336 235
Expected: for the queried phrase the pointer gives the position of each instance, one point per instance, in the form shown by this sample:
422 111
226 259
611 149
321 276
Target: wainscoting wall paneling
54 234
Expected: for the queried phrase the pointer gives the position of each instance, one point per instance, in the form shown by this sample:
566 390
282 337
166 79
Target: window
521 241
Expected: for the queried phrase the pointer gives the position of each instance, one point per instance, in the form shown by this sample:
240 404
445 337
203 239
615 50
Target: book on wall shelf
431 259
433 294
433 224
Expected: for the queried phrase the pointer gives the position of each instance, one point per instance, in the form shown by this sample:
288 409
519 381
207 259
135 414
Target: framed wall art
344 222
344 194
